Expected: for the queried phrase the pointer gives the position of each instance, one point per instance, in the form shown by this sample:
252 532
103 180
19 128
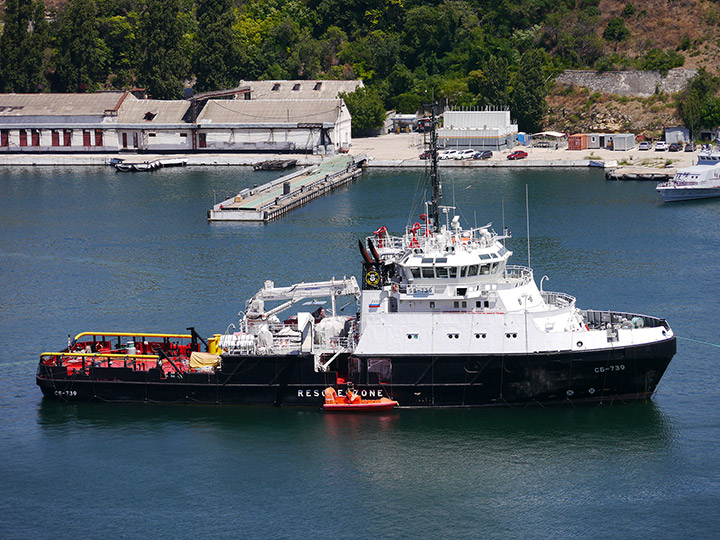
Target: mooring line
699 341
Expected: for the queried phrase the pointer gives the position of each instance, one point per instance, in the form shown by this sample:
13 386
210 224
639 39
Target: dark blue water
91 249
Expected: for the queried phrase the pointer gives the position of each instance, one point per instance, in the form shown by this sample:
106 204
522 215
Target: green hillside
462 52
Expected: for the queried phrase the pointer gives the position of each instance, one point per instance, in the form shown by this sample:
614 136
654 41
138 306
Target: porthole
579 343
570 393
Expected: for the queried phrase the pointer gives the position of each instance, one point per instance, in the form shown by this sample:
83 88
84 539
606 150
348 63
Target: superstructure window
441 271
484 269
415 271
452 271
427 272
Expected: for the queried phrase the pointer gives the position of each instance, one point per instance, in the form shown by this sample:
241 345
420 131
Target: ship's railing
609 319
523 273
336 343
557 299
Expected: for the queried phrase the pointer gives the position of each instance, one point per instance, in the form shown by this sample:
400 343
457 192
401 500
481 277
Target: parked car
447 154
675 147
518 154
425 155
690 147
645 145
465 154
483 154
661 146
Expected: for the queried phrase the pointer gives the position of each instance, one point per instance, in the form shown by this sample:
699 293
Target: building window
86 137
55 137
151 134
276 87
135 140
23 137
67 137
5 137
318 86
296 87
149 115
202 140
184 135
98 137
35 134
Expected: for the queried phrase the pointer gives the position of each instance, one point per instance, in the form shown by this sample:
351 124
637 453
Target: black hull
459 381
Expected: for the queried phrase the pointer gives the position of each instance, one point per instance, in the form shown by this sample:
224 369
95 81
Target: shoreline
390 150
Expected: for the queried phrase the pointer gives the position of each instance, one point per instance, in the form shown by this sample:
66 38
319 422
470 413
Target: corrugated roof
300 89
152 111
219 111
61 104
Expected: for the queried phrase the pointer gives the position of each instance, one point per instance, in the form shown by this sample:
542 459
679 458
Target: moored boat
352 402
701 181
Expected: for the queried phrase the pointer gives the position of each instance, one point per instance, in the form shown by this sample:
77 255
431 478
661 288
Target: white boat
701 181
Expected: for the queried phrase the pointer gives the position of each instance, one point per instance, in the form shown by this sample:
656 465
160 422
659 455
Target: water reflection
629 427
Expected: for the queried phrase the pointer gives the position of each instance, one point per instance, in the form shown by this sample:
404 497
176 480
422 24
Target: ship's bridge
461 263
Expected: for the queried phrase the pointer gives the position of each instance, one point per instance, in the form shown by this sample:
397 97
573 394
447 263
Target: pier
640 173
274 199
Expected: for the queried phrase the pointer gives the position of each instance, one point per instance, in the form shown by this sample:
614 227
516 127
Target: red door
23 137
124 139
55 138
86 137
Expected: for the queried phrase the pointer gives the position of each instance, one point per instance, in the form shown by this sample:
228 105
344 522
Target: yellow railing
133 334
101 354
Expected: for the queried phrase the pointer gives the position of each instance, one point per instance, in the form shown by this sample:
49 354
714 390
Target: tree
215 58
22 46
366 108
616 31
80 55
163 58
528 97
490 84
696 102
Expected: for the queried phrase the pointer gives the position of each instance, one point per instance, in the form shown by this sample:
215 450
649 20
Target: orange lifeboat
353 402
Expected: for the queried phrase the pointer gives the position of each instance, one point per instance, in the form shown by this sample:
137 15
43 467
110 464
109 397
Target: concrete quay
390 150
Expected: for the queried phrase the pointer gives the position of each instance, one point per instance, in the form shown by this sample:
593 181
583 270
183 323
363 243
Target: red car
518 154
425 155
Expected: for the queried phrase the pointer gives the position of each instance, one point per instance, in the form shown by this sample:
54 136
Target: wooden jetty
640 173
274 199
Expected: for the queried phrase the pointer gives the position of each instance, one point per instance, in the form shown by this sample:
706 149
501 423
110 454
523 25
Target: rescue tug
442 320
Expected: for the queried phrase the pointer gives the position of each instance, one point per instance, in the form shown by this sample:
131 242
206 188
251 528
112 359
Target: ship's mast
434 207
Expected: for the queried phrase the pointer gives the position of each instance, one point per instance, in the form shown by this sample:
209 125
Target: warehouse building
481 130
119 121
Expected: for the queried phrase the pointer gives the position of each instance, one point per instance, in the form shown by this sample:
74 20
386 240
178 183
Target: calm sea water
91 249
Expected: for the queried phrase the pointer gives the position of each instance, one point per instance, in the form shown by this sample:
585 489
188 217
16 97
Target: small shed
595 140
578 141
675 134
620 141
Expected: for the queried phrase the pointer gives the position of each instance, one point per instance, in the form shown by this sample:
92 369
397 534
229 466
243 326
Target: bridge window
484 269
441 271
415 272
427 272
